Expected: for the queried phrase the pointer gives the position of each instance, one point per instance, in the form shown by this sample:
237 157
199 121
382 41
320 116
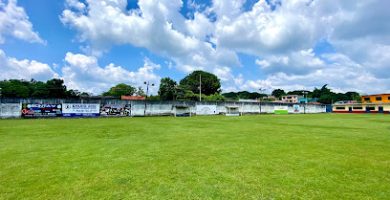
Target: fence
115 107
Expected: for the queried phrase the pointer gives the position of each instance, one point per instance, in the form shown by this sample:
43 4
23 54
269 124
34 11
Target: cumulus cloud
157 25
301 62
281 34
83 73
339 71
264 31
15 22
358 31
12 68
79 72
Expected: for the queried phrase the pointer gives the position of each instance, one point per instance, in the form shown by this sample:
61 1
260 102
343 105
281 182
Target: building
133 98
290 99
307 100
376 98
361 108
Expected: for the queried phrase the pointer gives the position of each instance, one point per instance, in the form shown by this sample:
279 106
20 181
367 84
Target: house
290 99
361 108
376 98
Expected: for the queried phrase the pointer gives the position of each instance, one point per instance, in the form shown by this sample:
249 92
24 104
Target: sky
249 44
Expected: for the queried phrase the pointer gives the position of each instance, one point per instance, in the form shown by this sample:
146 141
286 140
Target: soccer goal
182 111
232 111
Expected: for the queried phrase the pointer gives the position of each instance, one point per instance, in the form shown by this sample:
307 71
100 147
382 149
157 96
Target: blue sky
249 44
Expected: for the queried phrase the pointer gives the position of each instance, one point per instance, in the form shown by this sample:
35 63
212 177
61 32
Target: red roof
133 98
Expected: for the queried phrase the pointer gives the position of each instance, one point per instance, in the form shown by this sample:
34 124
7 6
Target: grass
323 156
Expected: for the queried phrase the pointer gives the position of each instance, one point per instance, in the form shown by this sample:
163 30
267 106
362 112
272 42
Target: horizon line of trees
186 89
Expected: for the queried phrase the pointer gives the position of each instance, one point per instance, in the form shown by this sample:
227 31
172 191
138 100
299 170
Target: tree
317 93
214 97
140 92
15 88
53 88
73 93
231 96
167 90
119 90
278 93
56 88
210 83
353 96
39 89
295 92
243 95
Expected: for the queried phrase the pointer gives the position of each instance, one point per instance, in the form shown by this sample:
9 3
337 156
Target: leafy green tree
53 88
15 88
243 95
85 94
278 93
56 88
185 94
140 92
167 90
326 98
214 97
295 92
353 96
73 93
154 98
119 90
39 89
210 83
231 96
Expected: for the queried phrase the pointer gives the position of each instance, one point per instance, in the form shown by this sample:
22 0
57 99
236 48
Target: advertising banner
281 110
297 108
206 109
41 110
115 110
10 110
80 110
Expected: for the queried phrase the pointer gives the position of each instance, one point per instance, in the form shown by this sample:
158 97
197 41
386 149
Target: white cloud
157 25
227 9
301 62
75 5
83 73
263 31
282 36
12 68
342 74
15 22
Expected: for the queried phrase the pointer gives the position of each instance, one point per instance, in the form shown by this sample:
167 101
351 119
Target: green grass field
323 156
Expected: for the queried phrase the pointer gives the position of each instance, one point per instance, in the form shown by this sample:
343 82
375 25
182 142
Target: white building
290 99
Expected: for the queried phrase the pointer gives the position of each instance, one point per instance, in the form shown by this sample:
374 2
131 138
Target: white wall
10 110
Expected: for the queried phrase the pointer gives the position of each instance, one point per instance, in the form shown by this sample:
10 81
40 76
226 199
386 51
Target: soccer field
324 156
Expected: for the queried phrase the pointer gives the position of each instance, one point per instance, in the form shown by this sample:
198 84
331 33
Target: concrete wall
155 108
10 110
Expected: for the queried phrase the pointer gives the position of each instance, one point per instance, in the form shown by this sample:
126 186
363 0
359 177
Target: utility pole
200 87
304 106
1 102
261 90
147 92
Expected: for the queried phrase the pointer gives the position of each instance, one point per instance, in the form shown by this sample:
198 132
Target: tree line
53 88
322 95
186 89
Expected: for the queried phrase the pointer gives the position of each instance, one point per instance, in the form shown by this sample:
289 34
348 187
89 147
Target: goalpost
182 111
232 111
